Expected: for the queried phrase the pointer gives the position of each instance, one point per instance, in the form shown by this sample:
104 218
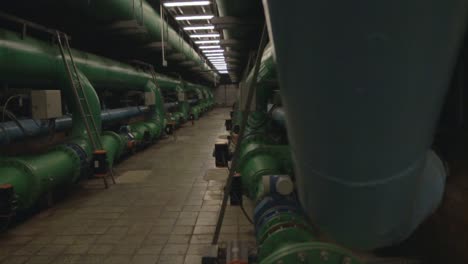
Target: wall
226 95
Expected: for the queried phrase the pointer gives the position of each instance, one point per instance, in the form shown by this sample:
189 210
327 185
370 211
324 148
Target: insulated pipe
10 131
363 86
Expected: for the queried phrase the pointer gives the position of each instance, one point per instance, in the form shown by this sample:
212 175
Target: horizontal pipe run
10 131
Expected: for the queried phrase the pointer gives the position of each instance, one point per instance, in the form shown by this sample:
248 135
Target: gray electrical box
150 98
181 97
46 104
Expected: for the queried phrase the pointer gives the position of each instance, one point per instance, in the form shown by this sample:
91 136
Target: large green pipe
182 109
123 10
33 176
43 63
32 63
363 85
266 76
157 121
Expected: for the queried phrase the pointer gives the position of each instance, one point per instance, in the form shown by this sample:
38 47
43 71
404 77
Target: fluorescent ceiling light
202 17
216 58
213 51
205 35
224 72
210 47
214 54
207 42
186 3
199 28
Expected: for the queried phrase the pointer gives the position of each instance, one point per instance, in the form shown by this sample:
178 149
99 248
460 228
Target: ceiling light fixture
214 55
207 42
210 47
213 51
199 28
202 17
205 36
186 3
223 72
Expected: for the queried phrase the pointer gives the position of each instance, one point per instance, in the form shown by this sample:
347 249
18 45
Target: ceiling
235 28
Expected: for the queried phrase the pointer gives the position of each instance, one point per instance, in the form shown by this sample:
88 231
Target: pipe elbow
377 214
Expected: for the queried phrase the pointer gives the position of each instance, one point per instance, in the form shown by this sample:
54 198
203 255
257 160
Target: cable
6 104
14 119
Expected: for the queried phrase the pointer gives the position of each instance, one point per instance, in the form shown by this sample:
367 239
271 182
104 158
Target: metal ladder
81 100
78 92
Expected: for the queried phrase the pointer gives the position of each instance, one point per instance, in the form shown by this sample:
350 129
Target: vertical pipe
363 84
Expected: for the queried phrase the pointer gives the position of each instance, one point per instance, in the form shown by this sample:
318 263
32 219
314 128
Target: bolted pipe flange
311 252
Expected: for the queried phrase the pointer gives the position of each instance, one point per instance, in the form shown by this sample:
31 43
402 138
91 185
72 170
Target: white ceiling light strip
213 51
186 3
208 27
207 42
210 47
202 17
205 35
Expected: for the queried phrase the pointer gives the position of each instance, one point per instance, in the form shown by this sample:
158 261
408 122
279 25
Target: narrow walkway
163 210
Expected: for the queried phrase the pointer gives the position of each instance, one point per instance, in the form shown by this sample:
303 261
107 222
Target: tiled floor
163 210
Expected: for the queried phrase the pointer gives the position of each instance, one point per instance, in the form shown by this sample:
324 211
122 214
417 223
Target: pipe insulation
363 86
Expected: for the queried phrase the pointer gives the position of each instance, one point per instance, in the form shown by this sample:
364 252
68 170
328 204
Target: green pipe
34 176
266 79
108 11
179 88
114 144
156 122
42 62
283 233
35 64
